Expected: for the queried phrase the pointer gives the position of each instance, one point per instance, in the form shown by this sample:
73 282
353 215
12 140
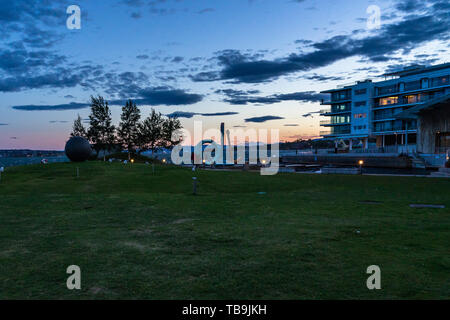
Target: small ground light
164 160
132 160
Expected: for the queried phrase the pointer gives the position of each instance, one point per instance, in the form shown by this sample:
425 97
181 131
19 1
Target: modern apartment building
367 111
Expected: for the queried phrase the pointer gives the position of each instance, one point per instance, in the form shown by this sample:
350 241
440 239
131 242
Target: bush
447 164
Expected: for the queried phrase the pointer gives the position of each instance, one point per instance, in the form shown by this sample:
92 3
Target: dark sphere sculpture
78 149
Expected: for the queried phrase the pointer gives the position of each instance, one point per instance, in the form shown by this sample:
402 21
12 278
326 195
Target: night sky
248 63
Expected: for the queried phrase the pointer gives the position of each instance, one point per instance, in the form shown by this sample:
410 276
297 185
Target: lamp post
360 163
194 185
1 170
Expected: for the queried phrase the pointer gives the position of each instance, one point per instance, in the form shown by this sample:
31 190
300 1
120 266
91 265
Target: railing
333 132
384 117
331 122
394 128
330 111
410 148
386 90
409 101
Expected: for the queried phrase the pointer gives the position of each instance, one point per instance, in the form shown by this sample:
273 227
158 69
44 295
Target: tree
101 130
151 131
128 131
170 127
78 129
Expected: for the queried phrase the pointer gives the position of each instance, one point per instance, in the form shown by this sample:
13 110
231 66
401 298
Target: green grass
144 236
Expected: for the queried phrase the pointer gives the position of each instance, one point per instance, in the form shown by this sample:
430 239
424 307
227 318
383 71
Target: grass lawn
136 235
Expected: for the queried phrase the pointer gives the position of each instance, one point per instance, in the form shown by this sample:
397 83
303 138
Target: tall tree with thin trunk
150 131
171 135
78 129
128 131
101 130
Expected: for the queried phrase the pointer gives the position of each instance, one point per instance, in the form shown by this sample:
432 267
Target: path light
132 160
164 160
360 162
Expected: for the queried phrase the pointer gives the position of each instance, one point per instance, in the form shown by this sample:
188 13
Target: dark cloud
60 107
219 114
51 80
237 98
397 37
410 5
177 59
4 124
183 114
146 96
310 114
69 96
318 77
19 61
167 96
142 56
58 121
263 119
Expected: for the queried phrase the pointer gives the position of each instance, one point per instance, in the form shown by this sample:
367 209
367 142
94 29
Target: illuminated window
411 99
388 101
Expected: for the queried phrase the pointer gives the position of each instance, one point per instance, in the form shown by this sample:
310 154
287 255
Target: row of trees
132 133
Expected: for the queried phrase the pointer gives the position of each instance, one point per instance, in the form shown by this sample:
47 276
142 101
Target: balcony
337 100
384 91
393 128
409 101
329 112
335 132
384 117
330 122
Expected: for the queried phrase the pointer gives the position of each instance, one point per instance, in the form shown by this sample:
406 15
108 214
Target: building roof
416 69
413 112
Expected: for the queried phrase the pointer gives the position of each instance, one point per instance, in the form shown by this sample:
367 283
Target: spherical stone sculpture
78 149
